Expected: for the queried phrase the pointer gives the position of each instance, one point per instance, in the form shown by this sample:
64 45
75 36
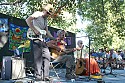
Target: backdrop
15 34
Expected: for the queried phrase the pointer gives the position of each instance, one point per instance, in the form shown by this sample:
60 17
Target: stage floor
119 77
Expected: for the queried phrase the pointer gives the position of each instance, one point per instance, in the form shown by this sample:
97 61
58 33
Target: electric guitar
31 35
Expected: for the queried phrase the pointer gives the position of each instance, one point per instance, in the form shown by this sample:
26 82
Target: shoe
38 79
46 79
70 76
99 74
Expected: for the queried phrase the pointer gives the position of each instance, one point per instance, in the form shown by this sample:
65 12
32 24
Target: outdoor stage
119 78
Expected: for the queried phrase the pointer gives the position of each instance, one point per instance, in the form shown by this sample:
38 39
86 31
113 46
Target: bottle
124 68
72 80
16 52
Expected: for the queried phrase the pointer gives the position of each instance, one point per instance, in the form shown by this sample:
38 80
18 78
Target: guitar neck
68 51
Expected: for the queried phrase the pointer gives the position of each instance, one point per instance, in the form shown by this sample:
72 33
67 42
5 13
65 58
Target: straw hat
60 32
49 8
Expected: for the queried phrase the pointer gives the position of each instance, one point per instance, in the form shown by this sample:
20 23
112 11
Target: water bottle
72 80
124 68
17 53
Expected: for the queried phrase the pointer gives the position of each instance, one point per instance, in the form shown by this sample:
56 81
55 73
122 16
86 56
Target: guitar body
80 67
31 35
56 53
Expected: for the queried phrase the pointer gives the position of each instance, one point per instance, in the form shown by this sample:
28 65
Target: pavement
58 76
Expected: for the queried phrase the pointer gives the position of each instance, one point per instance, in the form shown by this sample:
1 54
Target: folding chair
53 67
56 65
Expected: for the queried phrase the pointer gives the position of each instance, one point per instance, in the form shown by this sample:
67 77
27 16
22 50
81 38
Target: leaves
107 17
108 20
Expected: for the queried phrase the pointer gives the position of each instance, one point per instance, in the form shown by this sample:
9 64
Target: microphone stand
89 57
89 77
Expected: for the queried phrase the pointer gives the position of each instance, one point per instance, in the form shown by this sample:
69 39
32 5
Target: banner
18 38
3 31
3 24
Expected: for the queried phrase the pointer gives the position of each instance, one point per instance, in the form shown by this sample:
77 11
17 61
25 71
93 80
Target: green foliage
107 17
27 7
108 23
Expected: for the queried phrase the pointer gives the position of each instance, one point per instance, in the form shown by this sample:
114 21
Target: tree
107 17
24 8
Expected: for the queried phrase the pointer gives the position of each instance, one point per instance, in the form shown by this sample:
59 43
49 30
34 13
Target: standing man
40 50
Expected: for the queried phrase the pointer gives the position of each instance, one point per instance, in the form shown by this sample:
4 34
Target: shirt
39 21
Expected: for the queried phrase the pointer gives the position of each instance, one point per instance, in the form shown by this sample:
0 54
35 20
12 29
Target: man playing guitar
37 22
62 54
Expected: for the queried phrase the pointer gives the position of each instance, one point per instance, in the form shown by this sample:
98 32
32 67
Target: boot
73 71
69 74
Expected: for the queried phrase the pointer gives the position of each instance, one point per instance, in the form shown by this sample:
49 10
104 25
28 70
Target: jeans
68 59
41 59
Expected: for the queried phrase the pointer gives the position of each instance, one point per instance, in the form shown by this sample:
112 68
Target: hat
49 8
60 32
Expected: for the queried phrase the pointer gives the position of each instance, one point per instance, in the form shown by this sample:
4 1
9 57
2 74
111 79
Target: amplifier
13 68
18 68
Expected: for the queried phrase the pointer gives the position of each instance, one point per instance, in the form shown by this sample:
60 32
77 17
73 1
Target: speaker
18 68
6 68
13 68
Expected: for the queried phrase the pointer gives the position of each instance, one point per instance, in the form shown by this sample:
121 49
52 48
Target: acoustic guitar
56 53
80 65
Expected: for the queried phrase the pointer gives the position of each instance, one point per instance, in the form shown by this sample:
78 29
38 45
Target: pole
89 56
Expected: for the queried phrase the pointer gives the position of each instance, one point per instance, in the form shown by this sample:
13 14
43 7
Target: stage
119 77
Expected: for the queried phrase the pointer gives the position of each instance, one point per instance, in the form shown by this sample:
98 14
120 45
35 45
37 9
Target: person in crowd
63 55
124 54
111 59
112 55
37 22
119 56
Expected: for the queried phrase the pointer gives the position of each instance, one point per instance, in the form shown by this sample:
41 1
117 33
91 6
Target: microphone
86 46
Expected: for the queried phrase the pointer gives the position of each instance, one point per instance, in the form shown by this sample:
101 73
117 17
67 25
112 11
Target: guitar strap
81 52
40 43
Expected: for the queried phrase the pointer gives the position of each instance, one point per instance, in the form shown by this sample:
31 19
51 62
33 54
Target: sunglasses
48 13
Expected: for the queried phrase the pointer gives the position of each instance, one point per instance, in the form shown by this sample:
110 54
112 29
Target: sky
81 25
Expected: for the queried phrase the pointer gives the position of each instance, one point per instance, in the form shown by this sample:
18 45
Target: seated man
94 68
61 54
